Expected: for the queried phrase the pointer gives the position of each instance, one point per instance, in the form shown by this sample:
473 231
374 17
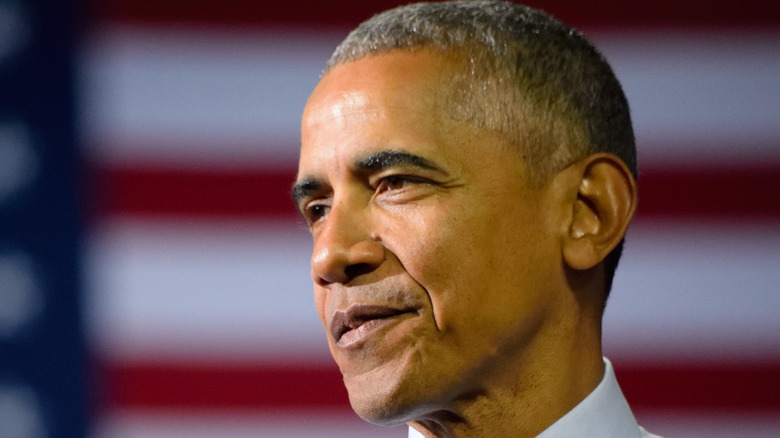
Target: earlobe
602 210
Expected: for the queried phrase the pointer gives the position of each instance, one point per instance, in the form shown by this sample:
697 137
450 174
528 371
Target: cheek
474 263
421 239
437 250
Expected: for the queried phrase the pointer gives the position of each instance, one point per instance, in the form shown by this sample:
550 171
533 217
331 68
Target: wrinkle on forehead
401 76
337 111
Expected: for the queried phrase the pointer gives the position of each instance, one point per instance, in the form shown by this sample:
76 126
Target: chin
376 406
386 402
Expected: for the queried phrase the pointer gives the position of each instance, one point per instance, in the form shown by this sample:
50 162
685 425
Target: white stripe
699 290
200 291
223 291
716 93
235 99
198 96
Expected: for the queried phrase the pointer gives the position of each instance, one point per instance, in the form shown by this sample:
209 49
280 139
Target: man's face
434 262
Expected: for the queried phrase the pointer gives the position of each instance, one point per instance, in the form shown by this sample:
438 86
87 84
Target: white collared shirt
604 413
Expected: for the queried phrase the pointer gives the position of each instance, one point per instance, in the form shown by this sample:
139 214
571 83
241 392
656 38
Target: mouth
350 325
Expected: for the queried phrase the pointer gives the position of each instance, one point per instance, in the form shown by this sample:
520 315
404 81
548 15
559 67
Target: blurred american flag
200 316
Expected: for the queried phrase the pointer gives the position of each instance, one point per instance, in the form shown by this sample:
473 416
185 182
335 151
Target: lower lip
356 337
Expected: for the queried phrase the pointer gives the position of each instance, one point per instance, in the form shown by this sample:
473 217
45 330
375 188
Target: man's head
529 76
463 175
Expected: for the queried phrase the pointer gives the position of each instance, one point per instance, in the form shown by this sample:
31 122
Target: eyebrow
391 158
305 188
372 163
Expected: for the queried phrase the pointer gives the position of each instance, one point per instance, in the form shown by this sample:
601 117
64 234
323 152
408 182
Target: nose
345 247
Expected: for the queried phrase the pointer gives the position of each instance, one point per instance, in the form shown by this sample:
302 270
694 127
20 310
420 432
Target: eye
397 182
314 211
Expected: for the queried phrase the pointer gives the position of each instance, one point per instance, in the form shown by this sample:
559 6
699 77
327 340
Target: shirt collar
603 413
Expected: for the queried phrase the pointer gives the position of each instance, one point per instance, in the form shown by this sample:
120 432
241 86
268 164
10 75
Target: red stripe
202 193
705 386
710 193
214 387
347 13
222 387
721 193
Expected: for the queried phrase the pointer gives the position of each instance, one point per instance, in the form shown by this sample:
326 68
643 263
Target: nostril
358 269
319 281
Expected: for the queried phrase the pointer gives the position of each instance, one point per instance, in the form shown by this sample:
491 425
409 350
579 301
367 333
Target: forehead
398 70
374 102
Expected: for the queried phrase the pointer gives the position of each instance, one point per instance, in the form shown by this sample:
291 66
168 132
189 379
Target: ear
602 209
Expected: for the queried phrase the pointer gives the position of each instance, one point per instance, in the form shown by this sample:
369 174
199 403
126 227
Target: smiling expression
434 262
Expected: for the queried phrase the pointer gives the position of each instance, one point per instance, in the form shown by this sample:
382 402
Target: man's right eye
315 212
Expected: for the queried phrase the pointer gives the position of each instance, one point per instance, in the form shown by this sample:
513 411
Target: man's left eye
396 182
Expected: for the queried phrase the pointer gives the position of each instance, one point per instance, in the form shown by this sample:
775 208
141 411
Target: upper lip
356 315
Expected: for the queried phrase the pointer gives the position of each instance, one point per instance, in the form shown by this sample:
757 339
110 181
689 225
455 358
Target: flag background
43 384
200 320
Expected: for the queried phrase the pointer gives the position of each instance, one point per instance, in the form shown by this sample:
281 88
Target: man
467 172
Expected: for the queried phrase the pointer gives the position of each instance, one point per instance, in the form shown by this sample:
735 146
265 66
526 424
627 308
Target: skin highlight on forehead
430 79
338 110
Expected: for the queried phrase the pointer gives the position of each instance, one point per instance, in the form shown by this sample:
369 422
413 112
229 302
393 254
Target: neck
561 367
